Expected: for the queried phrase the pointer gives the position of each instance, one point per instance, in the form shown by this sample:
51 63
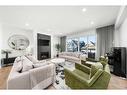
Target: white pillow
32 58
26 64
18 59
18 67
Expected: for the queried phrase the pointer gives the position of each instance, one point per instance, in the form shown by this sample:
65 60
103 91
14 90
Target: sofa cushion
86 64
76 54
65 53
81 74
96 64
72 58
94 69
83 57
69 53
39 65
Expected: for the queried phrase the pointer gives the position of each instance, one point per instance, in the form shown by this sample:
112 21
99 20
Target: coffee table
59 62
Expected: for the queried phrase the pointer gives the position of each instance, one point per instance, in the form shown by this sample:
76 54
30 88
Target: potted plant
58 48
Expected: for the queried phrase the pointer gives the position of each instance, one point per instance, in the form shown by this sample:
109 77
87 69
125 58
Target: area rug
60 84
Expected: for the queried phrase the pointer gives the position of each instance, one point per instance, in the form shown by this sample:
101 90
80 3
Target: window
69 46
72 45
75 45
84 44
91 46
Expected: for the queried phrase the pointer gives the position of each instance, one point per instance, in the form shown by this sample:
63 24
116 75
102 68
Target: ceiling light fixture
84 9
92 22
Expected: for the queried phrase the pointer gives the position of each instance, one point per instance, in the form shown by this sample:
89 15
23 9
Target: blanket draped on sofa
36 77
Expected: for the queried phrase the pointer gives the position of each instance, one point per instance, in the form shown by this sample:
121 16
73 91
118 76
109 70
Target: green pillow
103 59
94 69
86 64
91 59
103 63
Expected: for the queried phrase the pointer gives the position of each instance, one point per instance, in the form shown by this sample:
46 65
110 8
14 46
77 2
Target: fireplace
44 46
44 55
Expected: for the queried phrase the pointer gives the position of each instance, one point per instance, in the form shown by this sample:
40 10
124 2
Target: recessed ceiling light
27 24
92 22
84 9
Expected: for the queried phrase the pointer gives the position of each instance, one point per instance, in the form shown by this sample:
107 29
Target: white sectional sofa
72 56
35 78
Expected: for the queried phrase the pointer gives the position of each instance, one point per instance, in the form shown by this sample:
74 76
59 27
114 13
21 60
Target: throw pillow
26 64
103 63
32 59
18 59
19 66
83 57
76 54
93 71
103 59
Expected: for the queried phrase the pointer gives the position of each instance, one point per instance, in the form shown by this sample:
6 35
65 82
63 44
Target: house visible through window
84 44
72 45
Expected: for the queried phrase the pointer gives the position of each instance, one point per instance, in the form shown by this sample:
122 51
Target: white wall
116 38
8 31
120 35
83 33
0 41
54 40
123 34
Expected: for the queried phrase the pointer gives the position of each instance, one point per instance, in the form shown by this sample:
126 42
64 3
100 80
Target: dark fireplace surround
44 46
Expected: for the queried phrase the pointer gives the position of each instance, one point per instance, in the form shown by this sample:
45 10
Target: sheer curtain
104 40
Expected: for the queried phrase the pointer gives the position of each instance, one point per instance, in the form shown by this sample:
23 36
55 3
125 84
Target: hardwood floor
4 72
115 82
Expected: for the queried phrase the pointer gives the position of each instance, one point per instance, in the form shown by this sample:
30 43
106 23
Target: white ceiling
58 20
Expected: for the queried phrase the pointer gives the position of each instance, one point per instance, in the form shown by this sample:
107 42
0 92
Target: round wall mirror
18 42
